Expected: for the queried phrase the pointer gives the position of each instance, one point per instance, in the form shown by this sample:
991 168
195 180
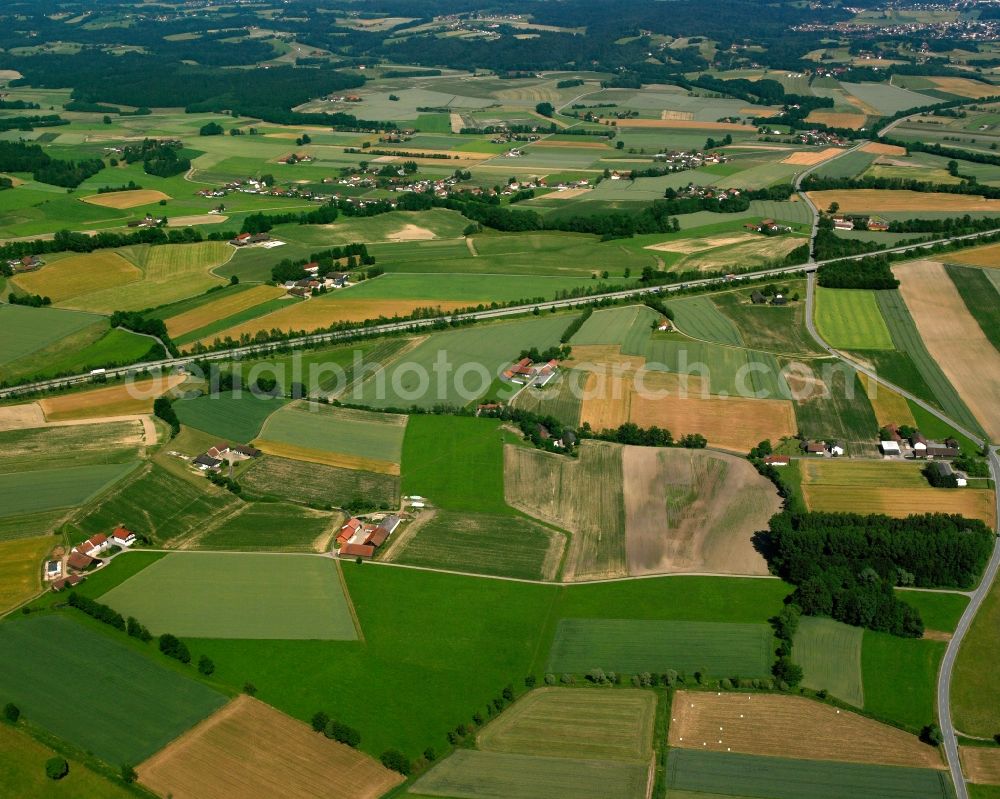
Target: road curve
976 597
253 350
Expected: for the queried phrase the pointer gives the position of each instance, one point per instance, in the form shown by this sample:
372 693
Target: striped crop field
699 318
632 646
829 653
849 319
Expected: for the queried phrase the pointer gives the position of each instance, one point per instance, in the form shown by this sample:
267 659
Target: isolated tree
128 773
11 712
206 666
319 721
545 109
834 207
931 734
56 768
396 760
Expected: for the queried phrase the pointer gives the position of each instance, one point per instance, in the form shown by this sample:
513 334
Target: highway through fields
977 596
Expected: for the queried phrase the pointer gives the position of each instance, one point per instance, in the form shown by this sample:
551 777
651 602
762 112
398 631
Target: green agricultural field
726 368
272 526
485 544
886 98
940 610
470 360
850 320
48 658
699 318
236 418
439 223
631 646
158 504
721 774
471 289
30 492
493 775
769 328
318 484
906 338
613 325
981 297
975 695
30 525
366 435
576 723
227 322
456 462
22 771
39 448
92 347
900 676
829 653
846 166
27 330
253 596
838 409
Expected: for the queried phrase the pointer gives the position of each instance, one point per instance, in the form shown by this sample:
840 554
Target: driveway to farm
977 596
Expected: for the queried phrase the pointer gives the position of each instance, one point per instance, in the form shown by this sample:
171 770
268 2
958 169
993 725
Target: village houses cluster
361 539
68 570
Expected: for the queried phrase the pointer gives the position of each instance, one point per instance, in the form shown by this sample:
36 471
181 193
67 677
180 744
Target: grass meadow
252 596
699 318
235 418
900 678
850 320
975 695
49 659
981 297
29 492
27 330
271 527
316 484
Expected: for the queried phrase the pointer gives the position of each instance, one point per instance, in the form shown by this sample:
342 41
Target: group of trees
147 326
866 273
846 566
163 409
159 158
19 156
31 300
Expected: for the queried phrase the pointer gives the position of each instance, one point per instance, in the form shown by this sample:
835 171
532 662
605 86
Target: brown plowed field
837 120
714 504
811 158
126 199
790 726
249 749
954 339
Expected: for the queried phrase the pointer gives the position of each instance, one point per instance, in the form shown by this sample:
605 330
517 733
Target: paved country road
255 350
976 597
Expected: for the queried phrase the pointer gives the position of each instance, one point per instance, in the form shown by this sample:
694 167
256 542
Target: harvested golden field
610 391
314 314
79 274
676 115
954 339
250 749
681 124
693 245
976 503
730 423
21 569
811 158
339 459
964 87
583 496
981 765
790 726
853 201
838 120
220 308
760 112
988 256
883 149
714 504
854 472
196 219
120 400
126 199
592 357
411 233
889 407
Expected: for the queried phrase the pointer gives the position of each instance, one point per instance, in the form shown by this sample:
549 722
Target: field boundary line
349 599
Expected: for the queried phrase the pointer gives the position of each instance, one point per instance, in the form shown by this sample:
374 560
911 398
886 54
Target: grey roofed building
207 462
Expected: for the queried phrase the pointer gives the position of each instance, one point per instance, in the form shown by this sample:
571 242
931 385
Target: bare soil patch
694 511
567 194
676 115
412 233
196 219
19 417
954 338
790 726
250 749
692 245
